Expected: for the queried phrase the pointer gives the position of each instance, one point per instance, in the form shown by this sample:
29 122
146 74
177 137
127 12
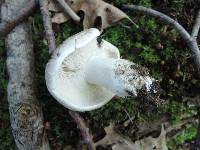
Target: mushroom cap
65 71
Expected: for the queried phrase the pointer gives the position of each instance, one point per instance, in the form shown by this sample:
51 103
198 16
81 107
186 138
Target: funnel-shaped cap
65 71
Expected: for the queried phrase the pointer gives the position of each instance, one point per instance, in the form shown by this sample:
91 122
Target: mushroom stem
120 76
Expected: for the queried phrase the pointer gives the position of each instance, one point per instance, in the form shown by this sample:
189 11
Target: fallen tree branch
47 25
162 17
16 17
191 42
26 114
83 128
68 10
7 25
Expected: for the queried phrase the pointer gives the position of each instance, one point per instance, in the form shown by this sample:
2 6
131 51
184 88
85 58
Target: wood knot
25 116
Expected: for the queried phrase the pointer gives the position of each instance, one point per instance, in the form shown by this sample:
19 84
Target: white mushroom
85 73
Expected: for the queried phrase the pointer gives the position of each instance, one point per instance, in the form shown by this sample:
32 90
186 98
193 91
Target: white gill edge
66 48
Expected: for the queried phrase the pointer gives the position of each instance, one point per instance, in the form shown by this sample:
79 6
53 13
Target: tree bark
87 137
47 25
16 17
25 112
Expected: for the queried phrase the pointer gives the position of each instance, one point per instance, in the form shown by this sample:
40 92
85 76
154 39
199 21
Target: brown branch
191 42
47 25
83 129
7 25
26 114
196 26
52 46
162 17
68 10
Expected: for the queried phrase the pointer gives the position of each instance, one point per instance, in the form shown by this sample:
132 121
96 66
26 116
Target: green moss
187 134
115 111
183 136
146 3
148 55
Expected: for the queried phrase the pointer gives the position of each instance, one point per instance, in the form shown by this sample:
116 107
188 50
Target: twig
194 35
83 128
47 25
68 10
190 39
7 25
191 42
125 26
162 17
52 46
196 26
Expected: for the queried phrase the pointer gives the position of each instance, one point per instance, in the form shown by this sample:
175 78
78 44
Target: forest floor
153 45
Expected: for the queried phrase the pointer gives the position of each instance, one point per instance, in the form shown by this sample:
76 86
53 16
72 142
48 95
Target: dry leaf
59 18
114 139
97 13
119 142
